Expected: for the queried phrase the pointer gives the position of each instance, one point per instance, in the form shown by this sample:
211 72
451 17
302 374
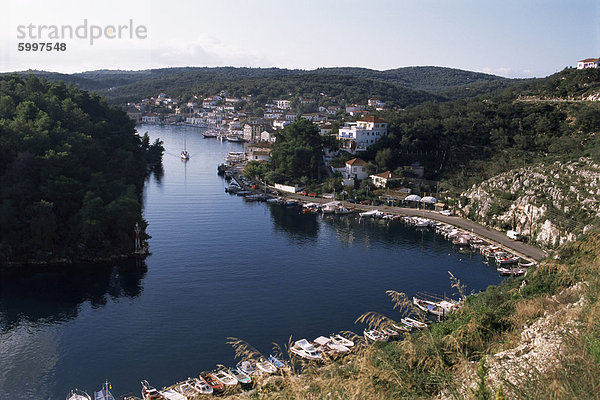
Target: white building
283 104
382 179
588 63
266 136
356 169
280 123
357 136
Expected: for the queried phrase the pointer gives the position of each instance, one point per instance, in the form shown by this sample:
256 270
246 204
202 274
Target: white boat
242 377
266 366
329 208
201 386
225 378
246 367
371 214
149 392
306 350
104 393
341 210
390 333
525 264
170 394
440 308
188 389
413 323
375 335
339 339
402 327
184 154
77 394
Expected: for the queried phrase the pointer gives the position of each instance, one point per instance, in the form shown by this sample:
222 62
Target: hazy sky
509 38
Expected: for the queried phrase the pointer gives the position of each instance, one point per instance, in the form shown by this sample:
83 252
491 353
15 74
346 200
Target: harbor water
220 268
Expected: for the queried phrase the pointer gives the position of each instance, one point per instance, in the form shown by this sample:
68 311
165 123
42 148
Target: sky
525 38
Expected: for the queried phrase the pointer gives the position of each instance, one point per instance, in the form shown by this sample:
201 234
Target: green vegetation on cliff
72 171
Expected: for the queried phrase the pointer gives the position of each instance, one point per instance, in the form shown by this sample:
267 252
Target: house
282 104
384 178
136 116
325 128
290 117
355 107
332 110
280 123
375 103
314 117
357 136
306 101
356 169
588 63
259 152
150 119
266 136
252 130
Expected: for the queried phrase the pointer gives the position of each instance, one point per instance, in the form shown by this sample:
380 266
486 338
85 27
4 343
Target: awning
429 200
412 197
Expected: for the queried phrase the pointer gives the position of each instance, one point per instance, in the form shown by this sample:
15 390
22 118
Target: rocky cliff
547 203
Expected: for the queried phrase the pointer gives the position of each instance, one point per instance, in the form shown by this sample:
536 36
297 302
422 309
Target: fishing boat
511 271
171 394
210 134
339 339
525 264
391 334
242 377
375 335
234 138
277 362
440 308
213 382
304 349
341 210
104 393
225 377
247 367
371 214
188 389
150 393
201 386
402 327
266 366
77 394
413 323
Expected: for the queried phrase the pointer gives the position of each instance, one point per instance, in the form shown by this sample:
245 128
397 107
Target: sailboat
184 154
104 393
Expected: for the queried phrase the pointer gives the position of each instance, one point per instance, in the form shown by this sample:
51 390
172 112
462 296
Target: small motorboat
525 264
150 393
402 327
242 377
341 210
413 323
225 377
246 367
266 366
339 339
390 333
511 271
213 382
277 362
375 335
104 393
185 155
77 394
188 389
171 394
371 214
440 308
201 386
304 349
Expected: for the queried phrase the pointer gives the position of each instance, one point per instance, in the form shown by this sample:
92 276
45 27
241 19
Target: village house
259 152
253 129
280 123
136 116
588 63
282 104
375 103
384 178
355 168
325 128
357 136
332 110
355 107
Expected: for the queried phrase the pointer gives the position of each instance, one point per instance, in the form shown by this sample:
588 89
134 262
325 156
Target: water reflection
296 225
52 294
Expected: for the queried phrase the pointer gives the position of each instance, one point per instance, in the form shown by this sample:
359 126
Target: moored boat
150 393
304 349
201 386
246 367
171 394
339 339
104 393
371 214
440 308
266 366
526 264
225 377
188 389
213 382
243 378
413 323
77 394
375 335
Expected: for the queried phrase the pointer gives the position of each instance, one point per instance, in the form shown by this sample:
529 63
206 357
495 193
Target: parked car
366 202
302 192
312 194
446 212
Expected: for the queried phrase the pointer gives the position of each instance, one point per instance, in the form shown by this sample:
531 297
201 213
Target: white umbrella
413 197
429 200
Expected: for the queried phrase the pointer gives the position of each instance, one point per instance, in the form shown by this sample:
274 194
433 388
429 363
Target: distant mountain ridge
402 86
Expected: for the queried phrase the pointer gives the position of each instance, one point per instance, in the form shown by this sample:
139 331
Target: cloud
210 51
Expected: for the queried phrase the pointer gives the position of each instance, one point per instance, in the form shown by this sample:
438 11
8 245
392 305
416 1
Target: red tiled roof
590 60
356 162
387 175
373 119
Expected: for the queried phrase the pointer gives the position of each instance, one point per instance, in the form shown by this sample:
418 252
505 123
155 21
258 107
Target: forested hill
71 173
401 86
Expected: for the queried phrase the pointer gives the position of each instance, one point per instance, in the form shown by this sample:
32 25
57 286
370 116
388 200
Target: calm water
220 267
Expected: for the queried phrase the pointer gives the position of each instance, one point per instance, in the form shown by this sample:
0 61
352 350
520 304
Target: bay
220 267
